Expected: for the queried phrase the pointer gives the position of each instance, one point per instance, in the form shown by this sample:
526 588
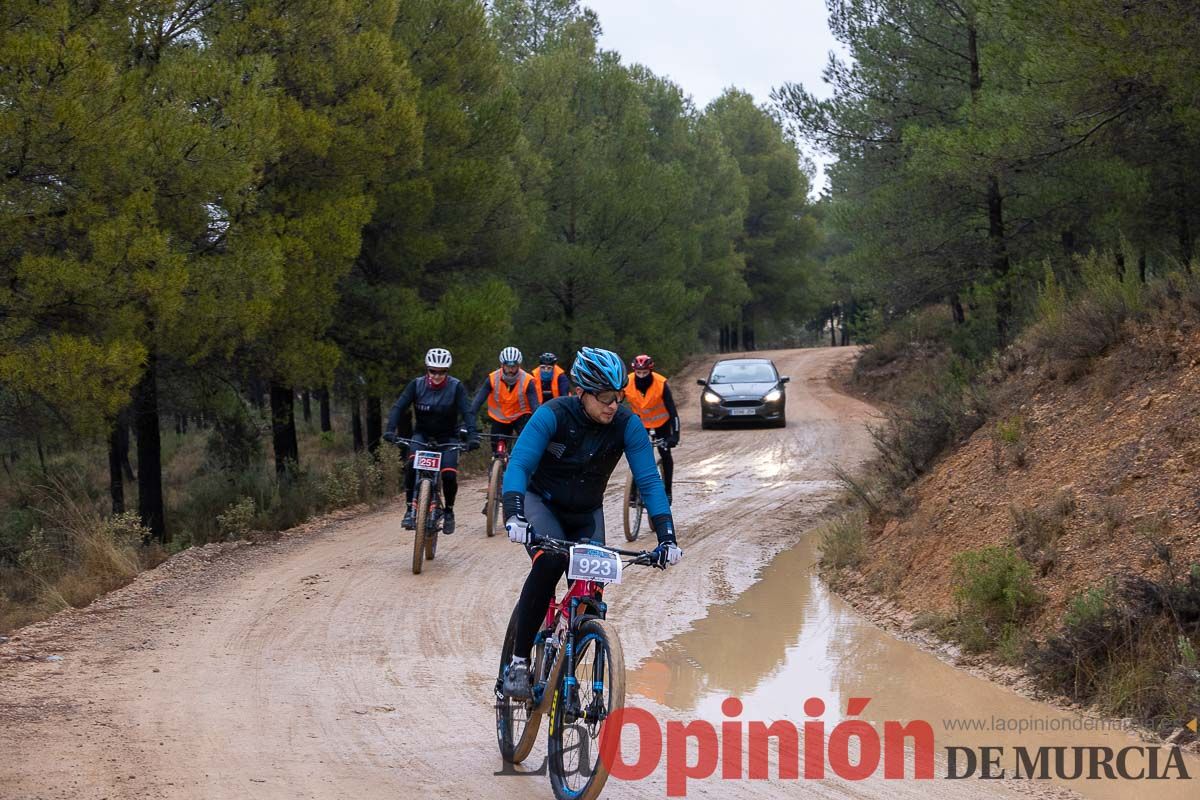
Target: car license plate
591 563
742 412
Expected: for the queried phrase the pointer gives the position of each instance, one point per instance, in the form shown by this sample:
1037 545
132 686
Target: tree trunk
326 421
149 451
254 388
306 405
833 327
995 207
116 483
1185 237
1142 266
374 422
956 309
356 425
283 429
1000 261
123 431
1068 242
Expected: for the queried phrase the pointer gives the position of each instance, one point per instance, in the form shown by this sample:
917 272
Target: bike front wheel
580 710
494 509
516 720
634 511
424 524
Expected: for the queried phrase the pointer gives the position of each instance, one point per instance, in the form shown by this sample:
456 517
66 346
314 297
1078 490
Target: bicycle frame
434 475
586 594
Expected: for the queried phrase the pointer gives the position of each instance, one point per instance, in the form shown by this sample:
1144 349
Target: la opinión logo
694 751
821 749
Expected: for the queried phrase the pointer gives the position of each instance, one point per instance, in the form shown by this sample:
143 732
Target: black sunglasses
608 398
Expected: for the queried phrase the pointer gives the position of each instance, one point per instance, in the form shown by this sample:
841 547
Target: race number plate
591 563
741 412
429 460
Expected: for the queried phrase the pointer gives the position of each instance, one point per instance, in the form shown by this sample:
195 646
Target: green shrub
342 485
209 495
915 435
993 588
1088 608
235 443
1128 647
237 520
1010 430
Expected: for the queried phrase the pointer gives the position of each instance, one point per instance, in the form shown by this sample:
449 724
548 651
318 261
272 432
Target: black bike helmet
548 359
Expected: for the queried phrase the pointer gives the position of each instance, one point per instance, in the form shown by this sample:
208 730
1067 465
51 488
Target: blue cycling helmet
597 370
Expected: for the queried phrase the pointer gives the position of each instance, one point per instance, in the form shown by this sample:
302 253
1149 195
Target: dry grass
60 548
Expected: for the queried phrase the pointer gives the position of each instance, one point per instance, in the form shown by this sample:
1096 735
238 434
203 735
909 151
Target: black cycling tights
668 469
449 485
547 568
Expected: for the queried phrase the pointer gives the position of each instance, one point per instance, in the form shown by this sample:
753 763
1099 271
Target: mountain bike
494 509
427 497
577 670
633 507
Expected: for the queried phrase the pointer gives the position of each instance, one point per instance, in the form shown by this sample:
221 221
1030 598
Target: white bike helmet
510 355
438 358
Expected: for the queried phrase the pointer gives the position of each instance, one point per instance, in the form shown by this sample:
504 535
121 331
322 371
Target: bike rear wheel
424 492
634 511
516 720
579 712
495 482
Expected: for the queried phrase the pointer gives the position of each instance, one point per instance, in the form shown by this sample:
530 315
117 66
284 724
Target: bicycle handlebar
418 445
563 547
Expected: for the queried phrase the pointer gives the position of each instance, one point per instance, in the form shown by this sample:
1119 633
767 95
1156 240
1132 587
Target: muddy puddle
786 639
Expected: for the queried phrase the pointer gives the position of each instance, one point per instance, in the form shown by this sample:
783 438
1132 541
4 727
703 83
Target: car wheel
705 425
780 423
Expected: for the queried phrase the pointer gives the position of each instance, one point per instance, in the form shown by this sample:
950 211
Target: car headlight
773 396
711 398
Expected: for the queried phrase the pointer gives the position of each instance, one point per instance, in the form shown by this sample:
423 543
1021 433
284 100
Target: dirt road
318 666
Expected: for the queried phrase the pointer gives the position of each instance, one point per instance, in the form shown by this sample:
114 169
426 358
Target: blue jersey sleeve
640 455
527 453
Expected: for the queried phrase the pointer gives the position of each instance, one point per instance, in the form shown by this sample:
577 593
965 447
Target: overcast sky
705 46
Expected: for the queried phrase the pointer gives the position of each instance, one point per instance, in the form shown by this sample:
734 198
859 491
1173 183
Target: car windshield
743 373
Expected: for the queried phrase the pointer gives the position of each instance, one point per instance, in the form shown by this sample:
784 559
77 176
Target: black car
743 389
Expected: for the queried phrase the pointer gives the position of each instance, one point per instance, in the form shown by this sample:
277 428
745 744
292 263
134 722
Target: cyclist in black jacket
440 402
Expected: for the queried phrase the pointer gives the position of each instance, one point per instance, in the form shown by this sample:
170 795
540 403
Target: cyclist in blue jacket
555 484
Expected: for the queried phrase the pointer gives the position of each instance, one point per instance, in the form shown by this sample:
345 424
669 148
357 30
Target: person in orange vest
550 378
649 396
510 393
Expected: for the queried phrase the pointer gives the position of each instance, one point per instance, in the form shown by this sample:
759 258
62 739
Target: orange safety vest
537 379
505 404
649 406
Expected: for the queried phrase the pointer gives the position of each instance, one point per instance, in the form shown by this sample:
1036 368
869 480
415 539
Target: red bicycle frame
577 589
